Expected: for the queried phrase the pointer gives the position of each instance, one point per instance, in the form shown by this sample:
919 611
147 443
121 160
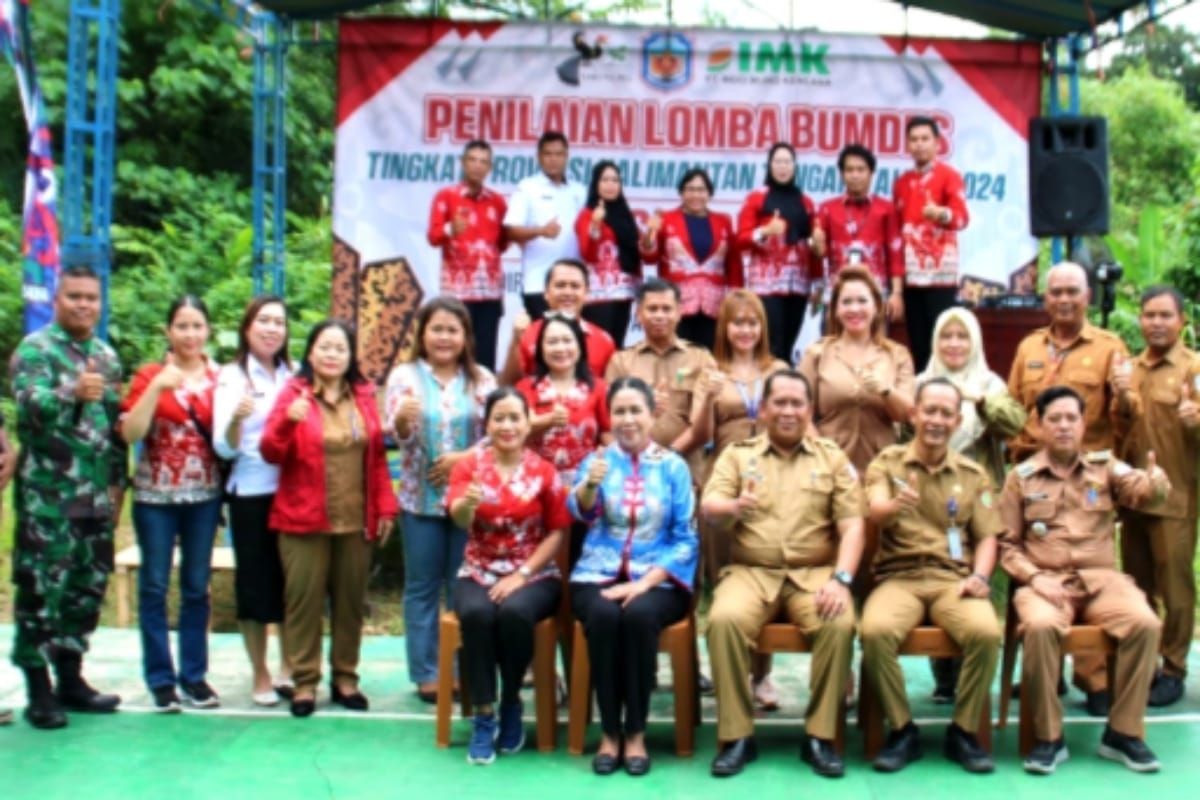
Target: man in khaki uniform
1058 509
672 366
936 514
1093 362
792 504
1158 544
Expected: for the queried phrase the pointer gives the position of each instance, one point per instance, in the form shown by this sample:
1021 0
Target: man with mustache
1058 509
937 525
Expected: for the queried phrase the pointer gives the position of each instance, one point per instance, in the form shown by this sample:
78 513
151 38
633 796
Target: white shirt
251 475
537 201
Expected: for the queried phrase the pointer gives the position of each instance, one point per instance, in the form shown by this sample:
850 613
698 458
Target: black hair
919 121
636 384
496 395
476 144
353 376
786 374
186 301
1161 290
570 263
550 137
78 271
855 151
1048 396
618 218
939 380
654 285
583 371
695 172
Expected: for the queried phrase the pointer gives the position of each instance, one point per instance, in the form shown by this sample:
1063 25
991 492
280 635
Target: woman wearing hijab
610 245
775 229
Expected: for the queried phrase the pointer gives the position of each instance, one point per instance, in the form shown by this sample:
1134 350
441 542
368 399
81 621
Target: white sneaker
766 696
266 698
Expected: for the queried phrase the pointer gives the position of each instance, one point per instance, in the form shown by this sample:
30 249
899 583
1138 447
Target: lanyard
750 399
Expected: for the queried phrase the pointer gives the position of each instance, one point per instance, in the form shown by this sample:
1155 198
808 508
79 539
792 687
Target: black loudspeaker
1068 175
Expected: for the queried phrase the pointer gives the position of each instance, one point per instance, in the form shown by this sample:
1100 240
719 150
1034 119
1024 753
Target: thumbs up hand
597 469
655 223
474 494
551 229
1121 374
559 416
908 495
1158 477
1189 410
462 218
90 385
776 226
298 409
245 408
169 378
818 241
598 213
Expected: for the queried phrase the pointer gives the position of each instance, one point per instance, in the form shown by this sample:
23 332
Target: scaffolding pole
270 153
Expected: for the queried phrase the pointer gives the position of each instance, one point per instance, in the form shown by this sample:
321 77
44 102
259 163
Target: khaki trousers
1120 609
742 605
1157 553
316 566
895 607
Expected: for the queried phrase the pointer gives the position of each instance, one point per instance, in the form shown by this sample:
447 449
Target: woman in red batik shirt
513 506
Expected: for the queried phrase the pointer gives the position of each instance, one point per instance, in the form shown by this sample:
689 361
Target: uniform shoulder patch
1098 456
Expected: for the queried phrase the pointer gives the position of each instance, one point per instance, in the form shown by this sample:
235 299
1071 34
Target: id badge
954 539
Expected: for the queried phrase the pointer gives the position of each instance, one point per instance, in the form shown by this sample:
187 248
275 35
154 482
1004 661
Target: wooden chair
782 637
1080 640
679 641
925 640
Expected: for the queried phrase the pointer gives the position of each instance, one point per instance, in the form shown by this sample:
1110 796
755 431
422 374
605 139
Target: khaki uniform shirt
956 493
802 496
1065 525
679 369
1151 422
345 449
857 421
1084 366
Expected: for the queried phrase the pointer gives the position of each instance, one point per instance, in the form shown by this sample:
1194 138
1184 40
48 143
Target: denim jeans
158 526
433 552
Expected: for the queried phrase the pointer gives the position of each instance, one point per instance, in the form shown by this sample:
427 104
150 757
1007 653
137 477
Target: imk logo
770 57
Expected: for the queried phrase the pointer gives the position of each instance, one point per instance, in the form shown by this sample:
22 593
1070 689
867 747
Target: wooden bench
129 561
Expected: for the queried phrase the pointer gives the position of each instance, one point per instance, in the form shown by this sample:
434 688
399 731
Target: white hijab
974 379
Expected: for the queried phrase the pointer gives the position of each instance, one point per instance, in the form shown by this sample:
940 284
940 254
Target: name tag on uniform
954 540
1034 497
1034 365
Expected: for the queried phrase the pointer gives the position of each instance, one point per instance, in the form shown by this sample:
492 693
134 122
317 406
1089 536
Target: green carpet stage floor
240 751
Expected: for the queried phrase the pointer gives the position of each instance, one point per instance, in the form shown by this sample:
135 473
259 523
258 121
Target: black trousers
258 580
612 316
921 310
623 648
785 314
699 329
485 320
500 635
535 305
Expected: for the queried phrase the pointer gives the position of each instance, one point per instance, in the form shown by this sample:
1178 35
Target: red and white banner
412 92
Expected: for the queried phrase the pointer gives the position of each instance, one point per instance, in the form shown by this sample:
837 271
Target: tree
1169 52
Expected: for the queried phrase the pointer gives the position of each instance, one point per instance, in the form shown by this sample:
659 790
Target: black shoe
303 708
823 757
199 695
1129 750
355 701
1098 704
165 700
902 748
286 691
43 710
606 763
1165 691
637 766
73 691
1045 757
705 685
734 756
963 747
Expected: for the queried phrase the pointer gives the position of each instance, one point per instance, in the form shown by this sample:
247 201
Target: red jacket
702 284
774 267
607 282
299 450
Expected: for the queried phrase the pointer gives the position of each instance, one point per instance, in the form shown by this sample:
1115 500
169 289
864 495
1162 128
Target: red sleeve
501 210
527 347
139 384
525 387
748 220
460 478
898 192
555 515
589 248
600 390
893 243
723 227
439 214
604 350
814 261
956 199
277 436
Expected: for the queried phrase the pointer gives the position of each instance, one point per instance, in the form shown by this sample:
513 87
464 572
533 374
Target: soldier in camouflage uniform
70 478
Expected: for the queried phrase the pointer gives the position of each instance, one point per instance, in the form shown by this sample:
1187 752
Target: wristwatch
525 572
843 577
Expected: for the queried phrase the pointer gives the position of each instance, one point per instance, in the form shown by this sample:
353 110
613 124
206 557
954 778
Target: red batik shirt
702 284
470 260
930 248
607 282
862 231
515 516
774 267
177 463
587 417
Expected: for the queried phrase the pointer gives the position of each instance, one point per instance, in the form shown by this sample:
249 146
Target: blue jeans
157 526
433 552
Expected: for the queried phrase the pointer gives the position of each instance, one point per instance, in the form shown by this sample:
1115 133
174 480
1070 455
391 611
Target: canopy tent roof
1040 19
